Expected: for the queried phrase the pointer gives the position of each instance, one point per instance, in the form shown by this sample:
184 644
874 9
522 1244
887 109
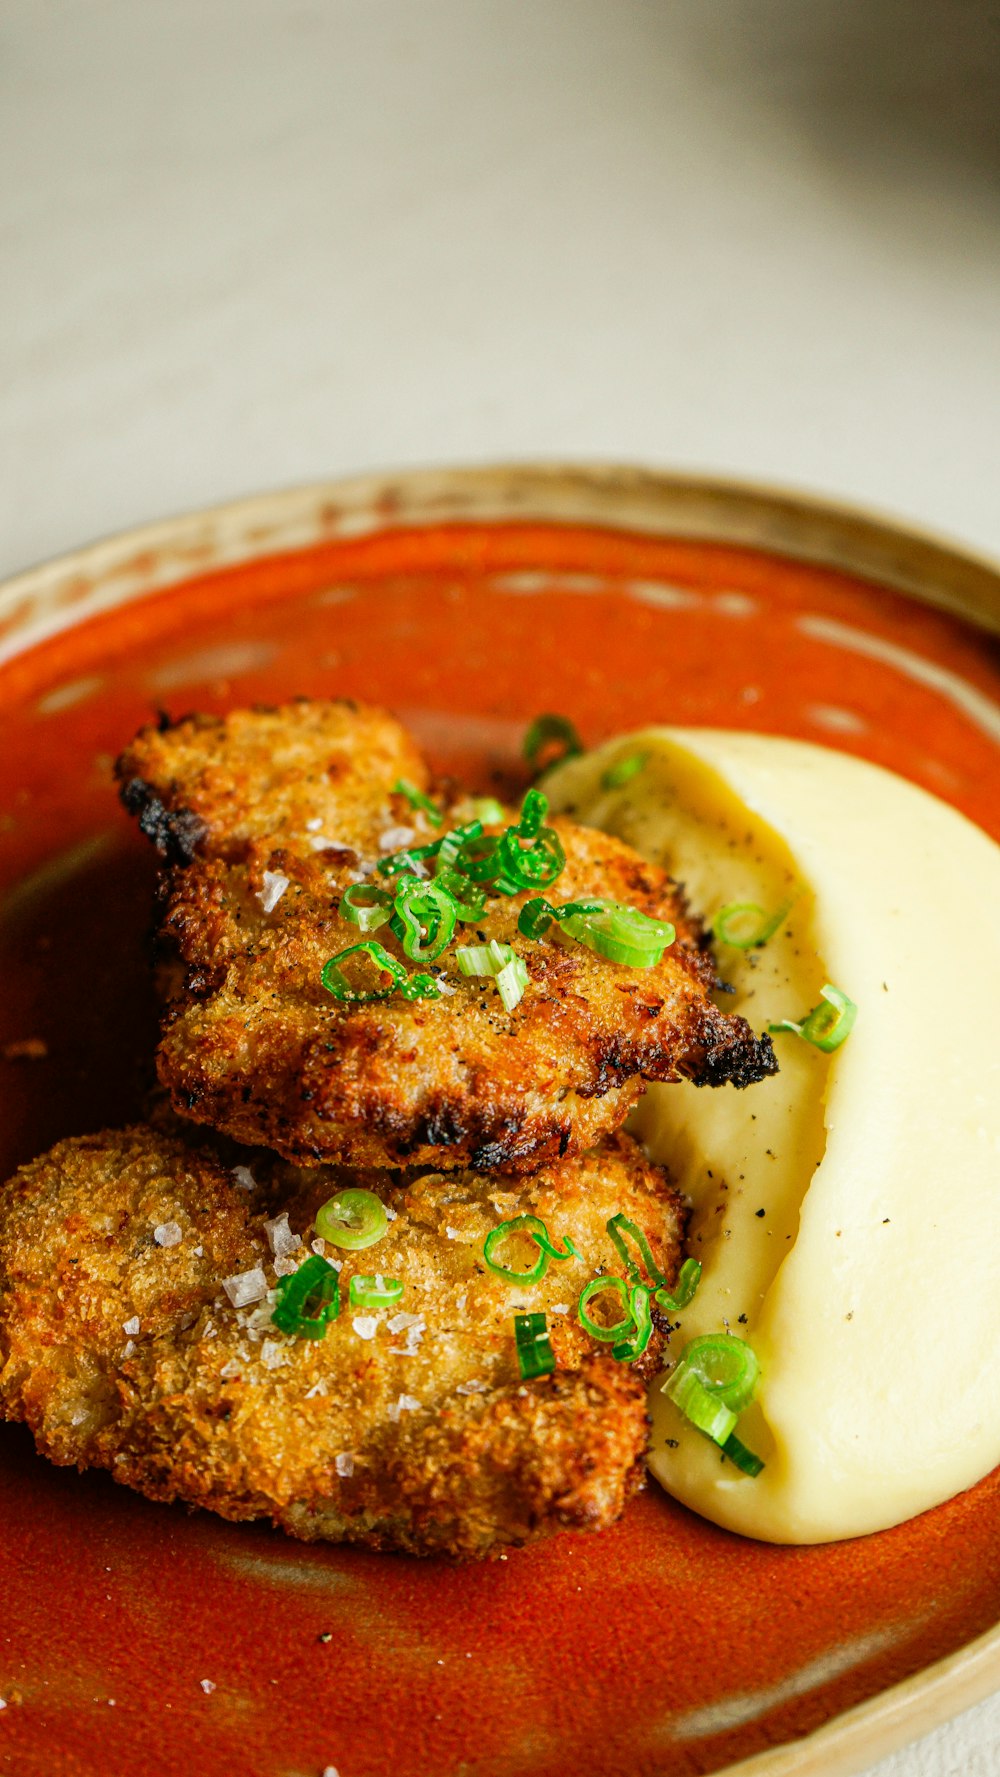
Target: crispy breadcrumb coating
265 817
120 1349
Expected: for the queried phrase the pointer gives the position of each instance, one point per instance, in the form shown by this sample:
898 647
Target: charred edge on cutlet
176 835
738 1064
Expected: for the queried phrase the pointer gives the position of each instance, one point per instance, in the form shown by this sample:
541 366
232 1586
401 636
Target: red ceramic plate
137 1638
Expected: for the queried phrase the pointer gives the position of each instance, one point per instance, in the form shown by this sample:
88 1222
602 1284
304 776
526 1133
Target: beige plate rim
66 591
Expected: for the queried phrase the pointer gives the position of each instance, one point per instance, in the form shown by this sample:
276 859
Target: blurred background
251 242
247 243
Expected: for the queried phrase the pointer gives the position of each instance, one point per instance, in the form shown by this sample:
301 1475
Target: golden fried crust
442 1448
253 1045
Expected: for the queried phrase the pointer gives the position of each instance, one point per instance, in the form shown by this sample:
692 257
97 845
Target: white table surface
245 243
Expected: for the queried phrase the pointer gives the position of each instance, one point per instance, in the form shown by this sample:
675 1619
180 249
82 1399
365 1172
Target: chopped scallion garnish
627 1350
698 1404
411 858
366 905
424 918
511 983
714 1380
743 1458
417 799
826 1026
451 844
536 1229
469 897
500 961
596 1287
622 934
411 987
620 1225
374 1292
483 959
352 1220
745 925
688 1279
623 770
307 1300
534 1347
549 740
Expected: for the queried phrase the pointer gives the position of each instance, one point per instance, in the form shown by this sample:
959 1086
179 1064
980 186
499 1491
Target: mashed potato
846 1212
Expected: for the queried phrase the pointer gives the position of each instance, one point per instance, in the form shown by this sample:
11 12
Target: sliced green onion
411 987
425 918
741 1456
469 897
489 810
623 770
745 925
483 959
570 1249
622 934
417 799
534 808
704 1409
594 1288
688 1279
374 1292
511 983
620 1225
546 732
500 961
528 854
725 1365
352 1220
308 1299
409 858
476 857
534 1347
713 1382
537 914
449 847
525 865
826 1026
627 1350
366 905
535 917
525 1224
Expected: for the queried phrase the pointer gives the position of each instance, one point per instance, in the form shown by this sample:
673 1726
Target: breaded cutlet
264 819
405 1427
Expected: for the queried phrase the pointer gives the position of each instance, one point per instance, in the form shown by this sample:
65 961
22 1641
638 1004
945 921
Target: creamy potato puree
846 1212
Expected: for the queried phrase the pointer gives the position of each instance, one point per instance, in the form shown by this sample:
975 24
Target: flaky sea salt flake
365 1325
274 886
244 1178
207 1686
280 1238
394 838
168 1234
401 1322
406 1403
131 1327
245 1287
344 1464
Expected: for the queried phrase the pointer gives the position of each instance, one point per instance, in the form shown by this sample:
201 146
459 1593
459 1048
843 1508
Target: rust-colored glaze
666 1645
